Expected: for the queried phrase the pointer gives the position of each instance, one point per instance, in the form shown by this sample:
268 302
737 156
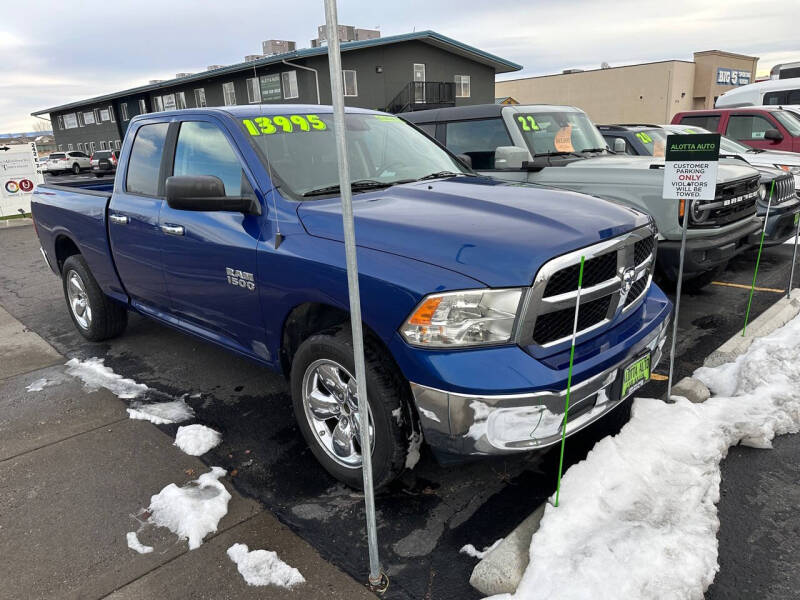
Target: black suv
104 162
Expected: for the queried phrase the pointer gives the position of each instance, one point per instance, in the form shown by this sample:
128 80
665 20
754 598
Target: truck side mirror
206 193
773 134
510 157
620 145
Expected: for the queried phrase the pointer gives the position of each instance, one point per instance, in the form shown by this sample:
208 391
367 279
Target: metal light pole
376 575
686 212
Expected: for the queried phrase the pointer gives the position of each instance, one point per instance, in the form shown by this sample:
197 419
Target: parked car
468 284
781 199
61 162
104 162
559 146
770 92
764 127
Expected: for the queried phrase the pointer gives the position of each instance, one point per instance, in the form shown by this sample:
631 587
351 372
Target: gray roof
500 65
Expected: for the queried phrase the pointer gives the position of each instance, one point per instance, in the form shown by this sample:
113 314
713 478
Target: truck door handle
118 219
172 229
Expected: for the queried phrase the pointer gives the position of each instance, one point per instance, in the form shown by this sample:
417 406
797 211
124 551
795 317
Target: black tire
107 318
76 169
387 391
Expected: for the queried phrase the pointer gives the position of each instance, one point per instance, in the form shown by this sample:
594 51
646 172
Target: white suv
59 162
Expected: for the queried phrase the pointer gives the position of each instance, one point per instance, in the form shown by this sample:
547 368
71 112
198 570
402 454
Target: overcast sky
55 51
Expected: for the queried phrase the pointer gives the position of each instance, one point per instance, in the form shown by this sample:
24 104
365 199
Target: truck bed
75 214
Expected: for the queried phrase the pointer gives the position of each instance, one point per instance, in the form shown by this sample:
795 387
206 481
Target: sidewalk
74 469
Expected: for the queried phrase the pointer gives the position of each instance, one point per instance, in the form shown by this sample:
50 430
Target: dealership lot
432 511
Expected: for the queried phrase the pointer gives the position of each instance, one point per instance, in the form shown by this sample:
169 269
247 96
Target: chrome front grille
784 189
617 274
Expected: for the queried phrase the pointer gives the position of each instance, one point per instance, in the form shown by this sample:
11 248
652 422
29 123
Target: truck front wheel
94 314
326 407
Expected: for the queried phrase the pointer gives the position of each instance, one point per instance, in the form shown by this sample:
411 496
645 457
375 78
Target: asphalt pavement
432 511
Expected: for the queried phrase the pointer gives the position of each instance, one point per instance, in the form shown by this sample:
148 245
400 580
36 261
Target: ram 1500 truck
559 146
227 224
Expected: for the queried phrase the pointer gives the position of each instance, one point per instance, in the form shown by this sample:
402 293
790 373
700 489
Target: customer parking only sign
20 172
690 167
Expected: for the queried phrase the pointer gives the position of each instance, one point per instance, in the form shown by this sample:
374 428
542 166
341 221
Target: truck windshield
788 120
653 140
558 132
382 150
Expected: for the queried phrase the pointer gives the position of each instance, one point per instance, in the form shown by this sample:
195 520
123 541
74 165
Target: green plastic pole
569 381
758 259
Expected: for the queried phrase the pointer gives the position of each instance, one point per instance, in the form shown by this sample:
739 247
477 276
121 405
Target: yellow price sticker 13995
283 124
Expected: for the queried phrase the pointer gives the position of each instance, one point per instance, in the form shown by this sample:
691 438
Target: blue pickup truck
226 223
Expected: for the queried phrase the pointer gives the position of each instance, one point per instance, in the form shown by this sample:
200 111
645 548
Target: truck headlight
468 318
789 169
699 212
762 191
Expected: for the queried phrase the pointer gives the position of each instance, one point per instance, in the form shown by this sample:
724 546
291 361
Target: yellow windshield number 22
283 124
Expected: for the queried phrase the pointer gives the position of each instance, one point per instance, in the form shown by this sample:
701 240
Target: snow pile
197 439
472 551
38 385
135 544
194 510
162 413
263 567
637 518
96 375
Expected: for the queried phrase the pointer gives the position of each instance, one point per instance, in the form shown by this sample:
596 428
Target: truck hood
727 171
498 233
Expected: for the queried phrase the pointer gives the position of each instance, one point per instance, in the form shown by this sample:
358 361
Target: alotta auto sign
19 174
690 167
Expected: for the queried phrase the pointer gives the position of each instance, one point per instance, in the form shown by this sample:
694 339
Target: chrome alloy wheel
330 403
79 300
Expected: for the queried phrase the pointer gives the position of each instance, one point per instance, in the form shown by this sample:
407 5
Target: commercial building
641 93
404 72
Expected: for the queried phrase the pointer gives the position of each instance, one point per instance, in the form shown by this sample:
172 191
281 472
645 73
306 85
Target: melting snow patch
263 567
162 413
472 551
638 518
135 544
38 385
197 439
96 375
194 510
414 444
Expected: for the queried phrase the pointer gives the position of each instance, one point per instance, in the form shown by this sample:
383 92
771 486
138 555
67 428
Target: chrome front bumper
504 424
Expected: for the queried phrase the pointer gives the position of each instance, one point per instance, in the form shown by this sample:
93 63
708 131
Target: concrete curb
501 570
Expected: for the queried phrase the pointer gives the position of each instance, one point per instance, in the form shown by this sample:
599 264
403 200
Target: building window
462 86
270 87
228 94
168 101
111 113
116 144
102 145
142 107
158 105
97 115
123 109
60 122
69 147
80 119
60 147
80 147
70 121
104 115
350 83
92 147
180 99
200 97
253 91
88 118
289 79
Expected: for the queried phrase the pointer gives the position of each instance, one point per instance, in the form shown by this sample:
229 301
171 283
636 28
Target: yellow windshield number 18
283 124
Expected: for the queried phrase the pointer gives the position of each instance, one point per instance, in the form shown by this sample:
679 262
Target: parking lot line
747 287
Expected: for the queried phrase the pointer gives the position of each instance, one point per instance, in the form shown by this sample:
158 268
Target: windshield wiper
558 153
594 149
441 174
755 151
357 186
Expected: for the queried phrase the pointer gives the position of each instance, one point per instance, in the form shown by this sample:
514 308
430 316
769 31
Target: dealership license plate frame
626 389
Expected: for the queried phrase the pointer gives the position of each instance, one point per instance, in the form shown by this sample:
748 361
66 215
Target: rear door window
57 156
710 122
145 162
478 139
204 150
748 127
